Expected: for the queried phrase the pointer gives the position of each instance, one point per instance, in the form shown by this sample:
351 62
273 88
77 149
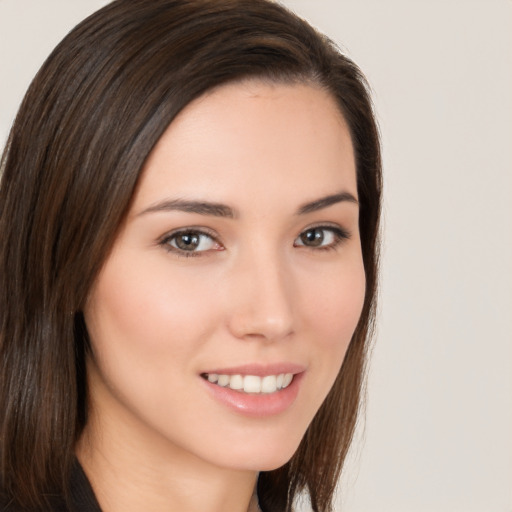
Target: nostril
261 299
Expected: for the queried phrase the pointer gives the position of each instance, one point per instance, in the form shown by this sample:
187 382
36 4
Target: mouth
251 384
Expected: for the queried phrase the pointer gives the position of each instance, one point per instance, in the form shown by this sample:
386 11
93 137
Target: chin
265 455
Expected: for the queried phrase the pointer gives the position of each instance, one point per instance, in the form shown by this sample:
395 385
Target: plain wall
439 416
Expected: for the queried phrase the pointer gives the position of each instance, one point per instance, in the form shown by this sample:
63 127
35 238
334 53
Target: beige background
439 416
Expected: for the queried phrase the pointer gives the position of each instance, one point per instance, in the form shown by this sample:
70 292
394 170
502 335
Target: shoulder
8 505
81 497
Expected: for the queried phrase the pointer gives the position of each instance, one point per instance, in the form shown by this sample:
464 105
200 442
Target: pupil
187 241
313 237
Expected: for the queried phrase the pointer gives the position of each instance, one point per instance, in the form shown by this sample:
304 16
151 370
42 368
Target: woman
189 217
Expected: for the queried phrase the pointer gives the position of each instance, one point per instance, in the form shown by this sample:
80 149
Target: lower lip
257 404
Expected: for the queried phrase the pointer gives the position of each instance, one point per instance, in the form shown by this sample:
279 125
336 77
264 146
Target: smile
253 384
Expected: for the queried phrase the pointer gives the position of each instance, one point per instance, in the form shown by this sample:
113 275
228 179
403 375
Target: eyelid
164 240
341 234
328 225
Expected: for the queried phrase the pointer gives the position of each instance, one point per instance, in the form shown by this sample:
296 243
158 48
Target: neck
124 480
131 469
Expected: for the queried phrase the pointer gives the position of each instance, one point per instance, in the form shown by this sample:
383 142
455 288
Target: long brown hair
73 158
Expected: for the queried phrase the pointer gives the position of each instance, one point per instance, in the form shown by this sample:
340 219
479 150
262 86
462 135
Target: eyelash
167 239
339 236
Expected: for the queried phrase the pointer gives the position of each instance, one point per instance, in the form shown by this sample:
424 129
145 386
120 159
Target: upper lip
258 369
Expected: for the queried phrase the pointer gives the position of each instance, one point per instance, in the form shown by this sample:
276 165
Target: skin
252 292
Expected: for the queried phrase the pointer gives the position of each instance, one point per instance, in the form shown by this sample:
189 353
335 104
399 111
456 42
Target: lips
255 390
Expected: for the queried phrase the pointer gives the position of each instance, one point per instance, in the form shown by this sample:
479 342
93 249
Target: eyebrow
189 206
213 209
326 201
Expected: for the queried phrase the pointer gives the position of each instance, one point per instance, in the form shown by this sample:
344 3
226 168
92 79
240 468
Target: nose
261 301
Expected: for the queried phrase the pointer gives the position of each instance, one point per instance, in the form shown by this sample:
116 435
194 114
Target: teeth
287 379
269 384
223 380
252 383
236 382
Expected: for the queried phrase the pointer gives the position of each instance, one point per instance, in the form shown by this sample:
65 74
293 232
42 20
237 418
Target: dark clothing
81 495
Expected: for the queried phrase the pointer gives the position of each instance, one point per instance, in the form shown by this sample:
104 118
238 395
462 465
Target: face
223 313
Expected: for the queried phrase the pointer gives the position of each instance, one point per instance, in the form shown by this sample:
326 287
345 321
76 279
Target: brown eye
187 241
312 237
321 237
190 242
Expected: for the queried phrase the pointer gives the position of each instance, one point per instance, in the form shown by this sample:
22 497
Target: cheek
146 310
146 328
333 313
337 303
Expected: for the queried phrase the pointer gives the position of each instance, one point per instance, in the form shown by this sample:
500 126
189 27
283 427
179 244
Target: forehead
253 138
